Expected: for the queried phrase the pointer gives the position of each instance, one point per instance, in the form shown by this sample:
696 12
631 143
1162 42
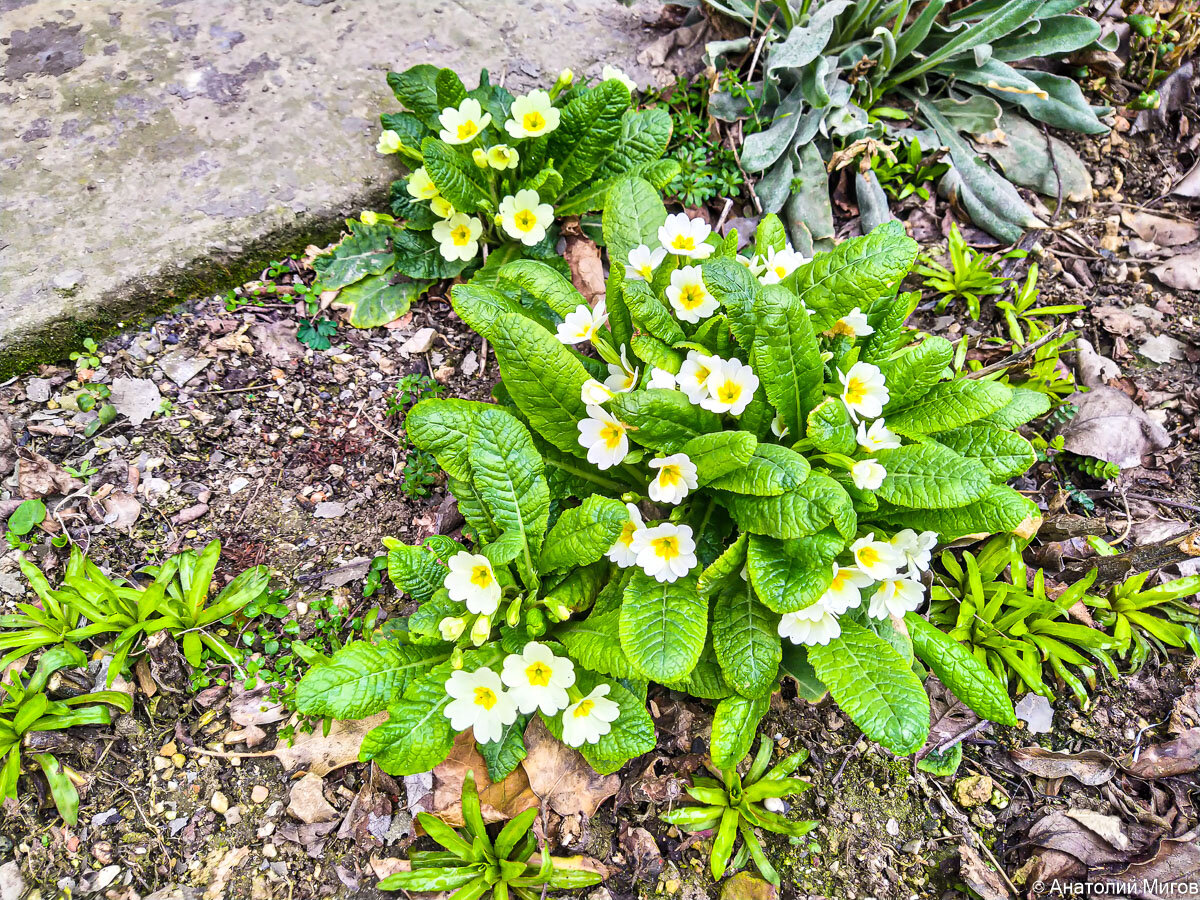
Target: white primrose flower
441 207
458 236
779 264
532 116
777 427
524 217
753 263
480 703
420 185
852 325
877 437
684 236
917 549
689 297
812 625
462 125
879 559
661 380
472 581
502 157
604 438
581 325
623 378
622 551
593 393
845 591
643 261
895 597
731 386
538 679
665 552
590 719
693 375
389 142
864 390
612 72
676 476
867 475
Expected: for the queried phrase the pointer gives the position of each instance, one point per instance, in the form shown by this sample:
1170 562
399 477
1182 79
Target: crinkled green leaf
734 725
799 513
786 356
950 404
595 643
503 756
379 299
362 678
719 453
745 637
633 212
664 420
587 132
455 175
930 476
1000 509
416 737
649 312
508 473
724 567
415 571
791 575
416 89
1025 406
1003 453
971 680
544 283
772 469
367 250
911 373
584 533
443 428
830 427
644 136
663 625
737 289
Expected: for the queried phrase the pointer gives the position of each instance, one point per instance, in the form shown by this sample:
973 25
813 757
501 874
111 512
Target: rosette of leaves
27 708
475 865
386 261
731 805
839 72
784 509
989 603
547 552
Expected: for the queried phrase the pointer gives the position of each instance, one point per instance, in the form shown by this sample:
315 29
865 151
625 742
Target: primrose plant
491 177
747 483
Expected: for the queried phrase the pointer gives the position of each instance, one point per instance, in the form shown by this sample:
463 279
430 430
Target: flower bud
480 156
481 630
452 627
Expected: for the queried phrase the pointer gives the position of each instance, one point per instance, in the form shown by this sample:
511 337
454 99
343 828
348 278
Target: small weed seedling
908 173
316 333
971 276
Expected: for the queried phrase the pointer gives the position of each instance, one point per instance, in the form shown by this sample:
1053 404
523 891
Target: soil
289 457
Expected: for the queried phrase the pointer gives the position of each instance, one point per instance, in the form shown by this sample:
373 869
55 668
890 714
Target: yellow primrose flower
524 217
502 157
421 186
441 207
462 125
389 142
458 236
532 116
480 157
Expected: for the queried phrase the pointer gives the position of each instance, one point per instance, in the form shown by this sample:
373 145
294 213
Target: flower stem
589 476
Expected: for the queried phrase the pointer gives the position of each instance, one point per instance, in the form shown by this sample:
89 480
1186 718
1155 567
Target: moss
143 299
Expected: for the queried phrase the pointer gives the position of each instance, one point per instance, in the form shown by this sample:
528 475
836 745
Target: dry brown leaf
561 777
1178 757
121 511
499 802
1181 272
322 754
979 876
587 272
1174 870
1110 426
1160 230
307 801
1090 767
37 477
1059 831
255 707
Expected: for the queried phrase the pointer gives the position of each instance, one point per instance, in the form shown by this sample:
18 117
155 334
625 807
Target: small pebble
259 794
269 851
179 760
219 803
233 816
168 750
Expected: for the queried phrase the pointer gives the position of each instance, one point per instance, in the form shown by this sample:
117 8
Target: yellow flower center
584 708
525 220
702 374
868 556
729 391
666 547
691 296
856 390
839 580
539 674
481 576
485 697
646 271
611 435
781 271
466 130
670 475
628 532
533 121
841 328
461 235
683 242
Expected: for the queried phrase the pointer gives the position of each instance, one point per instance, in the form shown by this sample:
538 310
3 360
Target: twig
249 387
959 738
1146 558
483 356
1021 355
1057 174
1162 501
724 215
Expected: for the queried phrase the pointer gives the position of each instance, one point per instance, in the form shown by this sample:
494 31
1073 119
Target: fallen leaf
1092 369
370 813
1036 712
587 272
1178 757
1189 185
135 398
322 754
1161 230
307 801
181 367
561 777
1174 871
499 802
37 477
1107 827
1162 348
1181 272
121 511
1060 832
979 876
254 707
1089 767
1110 426
277 341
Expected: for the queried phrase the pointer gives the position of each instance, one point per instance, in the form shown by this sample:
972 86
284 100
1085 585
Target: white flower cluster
895 568
530 681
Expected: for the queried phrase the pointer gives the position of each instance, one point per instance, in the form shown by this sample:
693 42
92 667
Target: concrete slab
153 151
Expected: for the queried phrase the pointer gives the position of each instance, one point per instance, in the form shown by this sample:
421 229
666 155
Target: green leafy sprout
474 864
970 277
731 805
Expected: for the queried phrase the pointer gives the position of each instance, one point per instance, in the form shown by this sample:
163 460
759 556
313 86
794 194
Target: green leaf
416 737
632 734
1025 406
770 235
930 476
663 625
772 470
443 428
795 663
503 756
911 374
419 256
724 567
26 516
875 687
706 681
890 331
435 878
450 89
799 513
970 680
367 250
595 643
363 678
587 132
508 473
650 313
786 355
1000 509
737 289
746 641
544 283
664 420
62 788
734 725
950 405
584 533
633 213
416 89
644 137
380 299
1063 106
454 173
1004 454
791 575
830 427
719 453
